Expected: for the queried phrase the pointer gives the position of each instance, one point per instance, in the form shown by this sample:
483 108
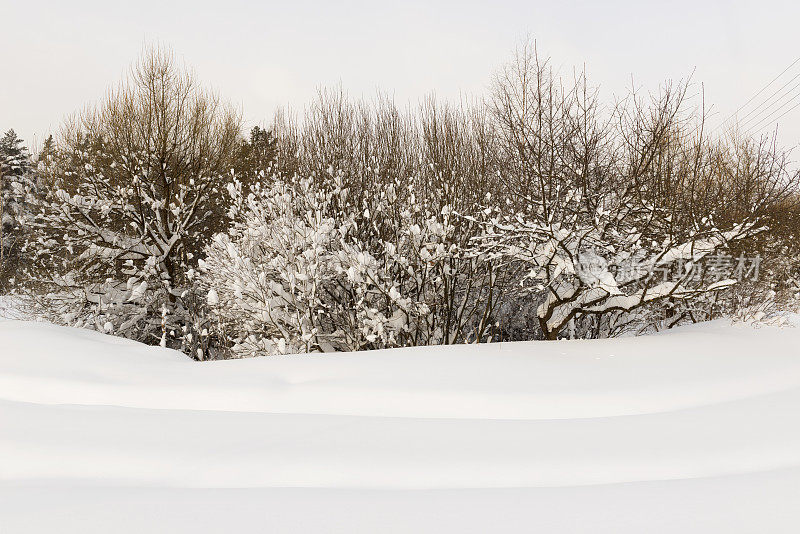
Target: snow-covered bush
295 275
603 267
267 278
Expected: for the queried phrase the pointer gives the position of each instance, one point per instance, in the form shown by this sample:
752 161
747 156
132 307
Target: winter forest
536 211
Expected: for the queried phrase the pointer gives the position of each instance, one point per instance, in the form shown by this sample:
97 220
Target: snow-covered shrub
602 268
267 278
294 274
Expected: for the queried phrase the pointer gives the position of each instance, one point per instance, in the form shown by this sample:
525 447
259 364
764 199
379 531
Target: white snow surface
694 430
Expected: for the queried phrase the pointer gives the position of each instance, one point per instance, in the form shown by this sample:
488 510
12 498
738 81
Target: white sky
59 56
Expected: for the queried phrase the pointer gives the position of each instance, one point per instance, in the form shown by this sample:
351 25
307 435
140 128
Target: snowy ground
696 430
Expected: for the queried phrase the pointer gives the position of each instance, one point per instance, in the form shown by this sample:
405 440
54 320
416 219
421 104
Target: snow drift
694 430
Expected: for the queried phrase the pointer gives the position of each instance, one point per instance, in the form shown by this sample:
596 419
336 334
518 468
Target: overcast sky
58 56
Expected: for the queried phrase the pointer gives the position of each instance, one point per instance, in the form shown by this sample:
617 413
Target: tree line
535 212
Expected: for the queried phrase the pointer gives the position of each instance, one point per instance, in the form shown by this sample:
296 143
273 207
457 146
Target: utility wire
791 94
757 94
758 116
760 125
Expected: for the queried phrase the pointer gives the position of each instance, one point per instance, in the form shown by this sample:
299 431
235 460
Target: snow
10 307
694 430
138 292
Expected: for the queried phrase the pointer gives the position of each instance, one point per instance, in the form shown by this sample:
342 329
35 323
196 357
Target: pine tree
256 154
14 174
47 152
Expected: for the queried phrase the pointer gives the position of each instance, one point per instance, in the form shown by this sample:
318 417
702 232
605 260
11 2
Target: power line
791 94
744 120
757 94
787 112
760 125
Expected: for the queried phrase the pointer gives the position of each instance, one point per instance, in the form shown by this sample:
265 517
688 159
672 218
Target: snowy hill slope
696 430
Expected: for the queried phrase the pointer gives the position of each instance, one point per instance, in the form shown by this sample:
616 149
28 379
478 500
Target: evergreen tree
256 154
47 152
14 174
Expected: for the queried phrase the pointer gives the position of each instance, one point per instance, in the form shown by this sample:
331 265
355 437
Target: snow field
694 430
